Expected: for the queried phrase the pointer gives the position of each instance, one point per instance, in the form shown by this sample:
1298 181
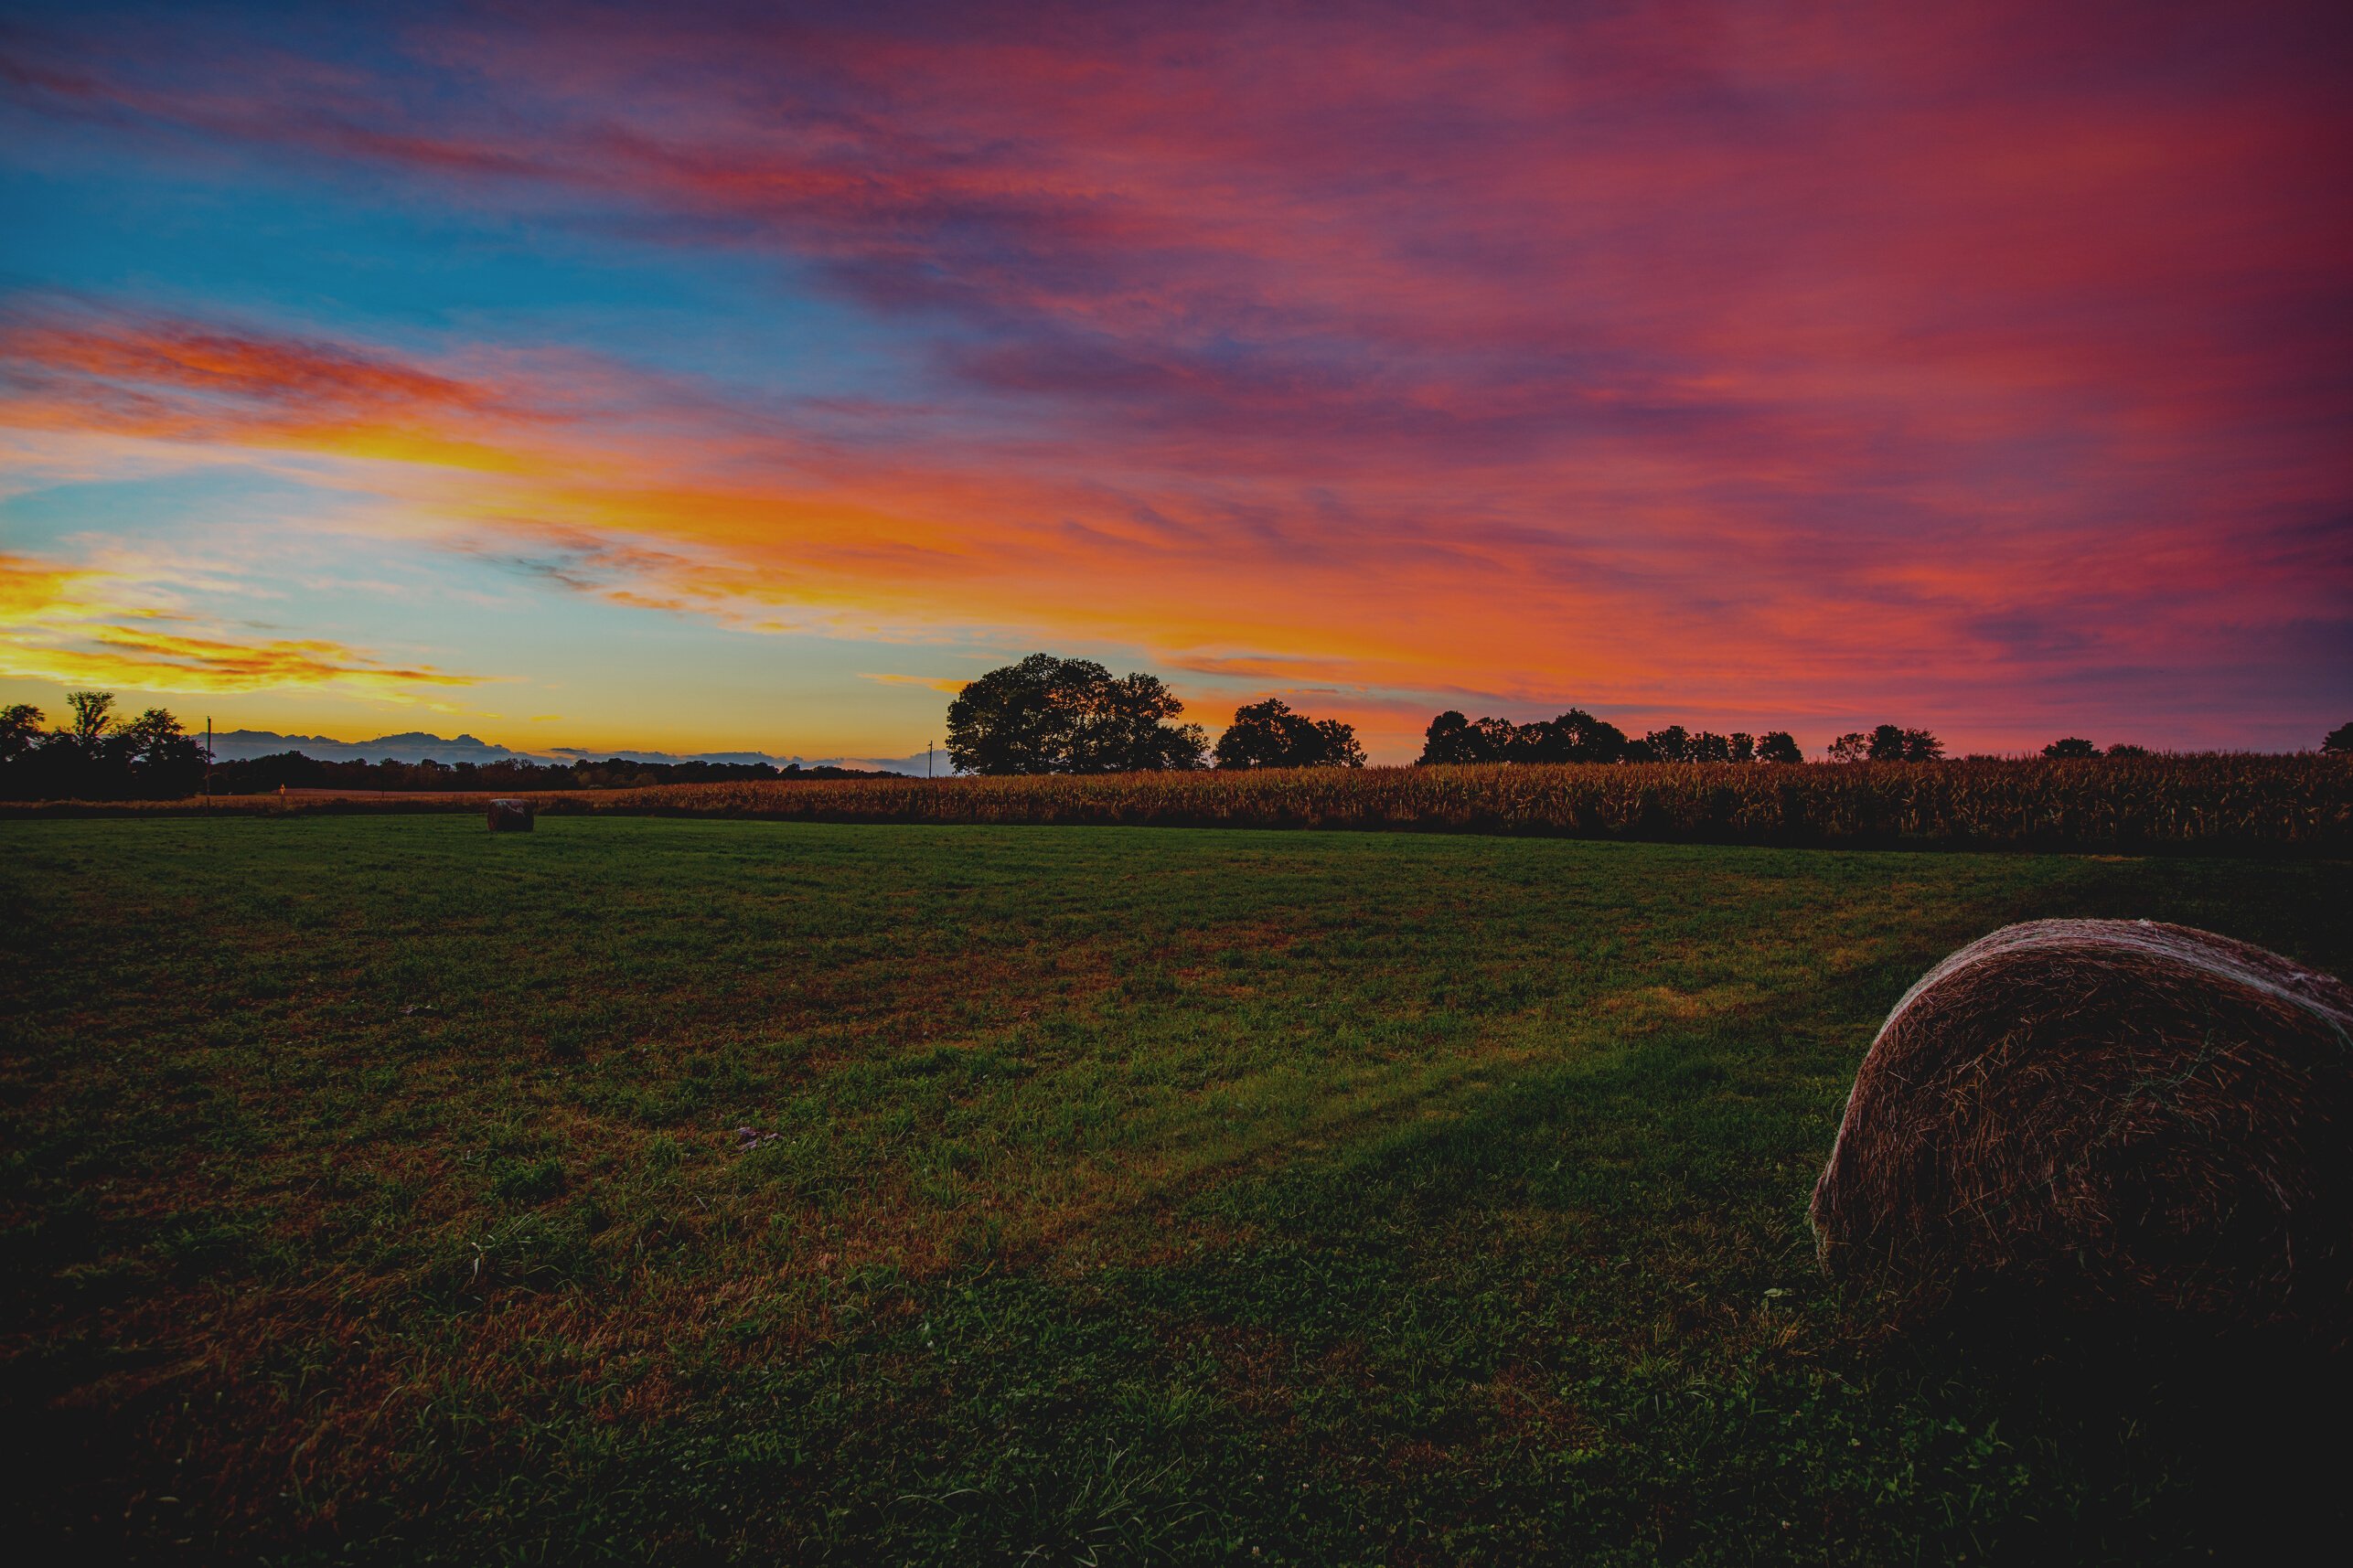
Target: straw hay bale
510 816
2111 1115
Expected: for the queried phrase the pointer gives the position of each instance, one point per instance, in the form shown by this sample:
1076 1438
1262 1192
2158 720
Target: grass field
374 1191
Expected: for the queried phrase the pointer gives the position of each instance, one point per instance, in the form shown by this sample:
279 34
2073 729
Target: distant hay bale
2114 1115
510 816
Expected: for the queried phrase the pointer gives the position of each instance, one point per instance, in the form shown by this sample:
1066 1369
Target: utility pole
207 758
928 748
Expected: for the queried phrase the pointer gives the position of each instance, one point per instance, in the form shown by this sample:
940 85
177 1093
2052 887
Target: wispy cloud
92 628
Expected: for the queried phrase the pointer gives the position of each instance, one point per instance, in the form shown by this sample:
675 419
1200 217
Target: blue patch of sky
98 212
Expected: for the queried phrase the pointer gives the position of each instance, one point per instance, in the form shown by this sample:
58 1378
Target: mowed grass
374 1190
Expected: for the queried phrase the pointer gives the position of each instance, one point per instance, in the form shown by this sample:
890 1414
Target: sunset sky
725 378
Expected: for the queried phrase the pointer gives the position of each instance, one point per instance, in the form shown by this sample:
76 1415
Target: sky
720 378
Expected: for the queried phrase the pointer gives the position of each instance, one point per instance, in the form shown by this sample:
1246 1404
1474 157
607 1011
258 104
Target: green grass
373 1192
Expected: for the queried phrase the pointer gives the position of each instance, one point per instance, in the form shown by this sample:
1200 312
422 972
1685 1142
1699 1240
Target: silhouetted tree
1585 739
79 758
1576 736
1259 736
2339 741
1887 743
261 776
1538 743
94 715
1270 735
1672 744
1128 730
95 755
1496 737
2121 749
20 732
160 761
2072 746
1013 719
1450 739
1047 715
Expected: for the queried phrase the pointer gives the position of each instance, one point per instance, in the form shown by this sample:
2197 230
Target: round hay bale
2117 1116
510 816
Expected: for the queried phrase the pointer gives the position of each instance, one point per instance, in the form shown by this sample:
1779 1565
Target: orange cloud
91 628
31 592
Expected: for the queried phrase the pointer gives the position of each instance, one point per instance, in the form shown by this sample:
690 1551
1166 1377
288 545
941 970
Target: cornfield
2241 803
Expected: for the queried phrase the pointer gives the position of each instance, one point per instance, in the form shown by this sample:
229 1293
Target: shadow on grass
1572 1316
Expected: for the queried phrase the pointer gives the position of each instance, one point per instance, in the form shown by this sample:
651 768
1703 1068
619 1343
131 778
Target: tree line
95 754
294 770
1049 715
1577 736
1043 715
2077 746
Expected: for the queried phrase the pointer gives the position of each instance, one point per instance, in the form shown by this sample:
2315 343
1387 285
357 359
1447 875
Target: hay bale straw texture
2107 1115
510 816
